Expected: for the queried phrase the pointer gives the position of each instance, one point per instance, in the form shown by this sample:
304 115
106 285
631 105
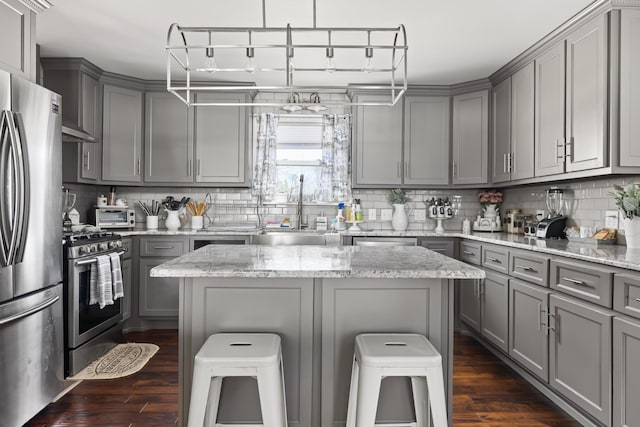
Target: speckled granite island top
316 262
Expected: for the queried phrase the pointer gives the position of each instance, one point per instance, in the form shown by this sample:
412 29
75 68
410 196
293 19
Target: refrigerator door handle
30 311
6 183
24 193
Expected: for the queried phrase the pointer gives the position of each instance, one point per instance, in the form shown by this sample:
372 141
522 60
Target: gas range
95 242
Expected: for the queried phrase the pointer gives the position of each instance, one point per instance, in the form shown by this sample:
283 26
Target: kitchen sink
295 237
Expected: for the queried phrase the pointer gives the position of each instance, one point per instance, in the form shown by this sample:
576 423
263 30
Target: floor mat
120 361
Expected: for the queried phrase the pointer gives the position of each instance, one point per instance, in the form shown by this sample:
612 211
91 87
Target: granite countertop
251 261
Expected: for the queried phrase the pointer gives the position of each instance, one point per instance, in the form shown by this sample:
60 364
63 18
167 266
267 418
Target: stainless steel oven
89 330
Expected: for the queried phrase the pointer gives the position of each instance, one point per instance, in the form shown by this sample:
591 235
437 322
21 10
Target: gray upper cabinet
501 120
122 135
471 138
426 140
549 107
89 121
494 307
629 88
528 333
17 39
168 139
580 355
521 162
626 375
377 147
586 114
221 141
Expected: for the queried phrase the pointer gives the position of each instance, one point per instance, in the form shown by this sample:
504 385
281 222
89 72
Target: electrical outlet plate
420 215
371 215
385 214
611 219
539 214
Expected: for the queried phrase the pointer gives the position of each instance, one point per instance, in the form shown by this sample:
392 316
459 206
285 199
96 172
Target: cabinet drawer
443 246
583 280
495 258
154 246
128 247
626 294
470 252
529 267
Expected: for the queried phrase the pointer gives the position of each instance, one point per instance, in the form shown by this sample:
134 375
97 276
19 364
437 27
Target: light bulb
368 54
210 62
331 65
251 66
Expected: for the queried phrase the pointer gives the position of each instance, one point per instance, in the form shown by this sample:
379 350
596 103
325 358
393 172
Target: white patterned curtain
264 172
335 176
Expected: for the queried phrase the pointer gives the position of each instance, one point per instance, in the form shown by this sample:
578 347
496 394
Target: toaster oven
114 217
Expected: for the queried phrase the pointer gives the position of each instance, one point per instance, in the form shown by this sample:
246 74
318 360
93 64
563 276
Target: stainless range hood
71 133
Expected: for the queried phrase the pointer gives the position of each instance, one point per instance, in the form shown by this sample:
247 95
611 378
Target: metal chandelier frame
183 54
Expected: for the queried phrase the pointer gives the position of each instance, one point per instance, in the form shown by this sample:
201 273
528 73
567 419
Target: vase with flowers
490 201
628 201
398 199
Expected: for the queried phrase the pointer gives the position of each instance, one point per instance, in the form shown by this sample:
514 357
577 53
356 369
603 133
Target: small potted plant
398 199
628 201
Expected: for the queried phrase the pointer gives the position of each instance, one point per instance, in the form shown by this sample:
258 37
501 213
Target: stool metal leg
199 396
420 401
272 397
353 394
214 402
436 396
369 380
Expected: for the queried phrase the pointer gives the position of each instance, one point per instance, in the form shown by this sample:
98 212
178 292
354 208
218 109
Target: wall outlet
611 219
539 214
371 215
420 214
385 214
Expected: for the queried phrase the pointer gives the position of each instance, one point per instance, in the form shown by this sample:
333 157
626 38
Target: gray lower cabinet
125 267
629 88
17 39
580 355
528 333
626 375
122 135
221 140
586 97
494 310
471 138
469 302
443 246
549 117
377 143
168 145
426 140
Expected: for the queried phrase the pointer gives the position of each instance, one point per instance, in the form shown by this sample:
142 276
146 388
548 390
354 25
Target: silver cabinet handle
504 163
163 247
524 267
138 166
539 316
549 327
454 169
468 253
574 281
568 150
509 162
189 167
398 169
198 168
638 299
406 169
497 261
480 288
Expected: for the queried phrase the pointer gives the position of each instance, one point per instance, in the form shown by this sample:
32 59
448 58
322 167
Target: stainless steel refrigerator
31 322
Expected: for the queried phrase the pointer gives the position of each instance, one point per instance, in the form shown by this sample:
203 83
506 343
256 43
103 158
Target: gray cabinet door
125 267
494 310
626 375
122 135
471 138
90 119
522 123
221 140
426 140
586 96
377 147
528 333
549 118
629 87
158 296
17 39
580 355
501 141
470 303
168 144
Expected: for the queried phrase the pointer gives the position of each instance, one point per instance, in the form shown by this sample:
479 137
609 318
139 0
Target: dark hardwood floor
486 393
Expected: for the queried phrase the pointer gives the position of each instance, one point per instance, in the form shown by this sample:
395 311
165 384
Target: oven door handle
94 260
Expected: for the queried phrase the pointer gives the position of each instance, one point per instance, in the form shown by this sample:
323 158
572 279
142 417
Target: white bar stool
396 355
238 355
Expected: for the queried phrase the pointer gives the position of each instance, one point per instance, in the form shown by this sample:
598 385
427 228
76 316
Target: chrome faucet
299 213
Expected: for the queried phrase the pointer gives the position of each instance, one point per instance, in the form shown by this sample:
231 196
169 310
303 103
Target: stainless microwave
113 217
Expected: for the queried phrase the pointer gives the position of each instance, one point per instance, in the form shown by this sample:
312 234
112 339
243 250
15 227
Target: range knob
115 244
103 246
84 250
93 248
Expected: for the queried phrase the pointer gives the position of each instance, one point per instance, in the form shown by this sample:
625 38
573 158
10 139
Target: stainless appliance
31 300
89 330
115 217
553 226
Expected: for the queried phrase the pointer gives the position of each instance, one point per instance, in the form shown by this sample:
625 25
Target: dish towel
100 288
116 276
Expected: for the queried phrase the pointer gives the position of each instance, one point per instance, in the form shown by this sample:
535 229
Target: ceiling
449 41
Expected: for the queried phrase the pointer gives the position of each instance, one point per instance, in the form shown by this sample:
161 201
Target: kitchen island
317 298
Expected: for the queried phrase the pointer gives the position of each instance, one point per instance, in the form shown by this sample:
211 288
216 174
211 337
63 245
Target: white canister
466 226
101 201
197 222
152 222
